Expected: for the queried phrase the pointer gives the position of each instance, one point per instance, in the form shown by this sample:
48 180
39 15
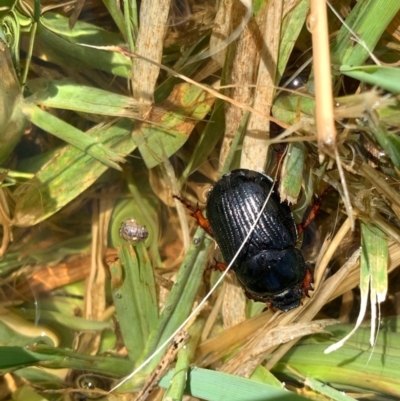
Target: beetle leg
313 212
197 214
219 266
307 282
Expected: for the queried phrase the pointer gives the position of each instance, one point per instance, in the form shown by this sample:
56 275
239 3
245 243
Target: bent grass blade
67 175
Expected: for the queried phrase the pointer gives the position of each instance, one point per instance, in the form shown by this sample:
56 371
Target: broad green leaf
172 121
385 77
67 175
15 357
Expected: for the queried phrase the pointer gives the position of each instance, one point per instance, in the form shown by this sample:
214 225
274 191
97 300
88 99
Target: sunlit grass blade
374 263
67 175
185 356
179 303
117 16
355 365
326 390
292 172
390 142
216 386
80 98
14 331
210 136
12 358
262 375
59 128
68 321
292 24
56 41
368 19
383 76
134 297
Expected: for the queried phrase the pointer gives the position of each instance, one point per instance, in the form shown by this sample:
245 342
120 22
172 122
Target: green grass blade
67 175
216 386
12 120
12 358
292 172
134 295
26 392
327 391
178 383
355 365
390 142
69 321
292 25
58 43
59 128
210 136
183 293
117 16
70 96
178 305
385 77
291 108
368 19
374 263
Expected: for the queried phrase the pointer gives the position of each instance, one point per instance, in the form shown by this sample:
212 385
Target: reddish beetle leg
197 214
307 283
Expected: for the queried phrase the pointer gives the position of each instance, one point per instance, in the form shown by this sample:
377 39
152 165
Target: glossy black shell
269 267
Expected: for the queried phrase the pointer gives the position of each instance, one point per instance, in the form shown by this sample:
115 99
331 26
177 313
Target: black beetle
269 267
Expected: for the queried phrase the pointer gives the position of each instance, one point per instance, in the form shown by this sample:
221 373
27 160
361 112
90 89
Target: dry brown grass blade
275 337
95 294
149 43
254 153
318 25
242 71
